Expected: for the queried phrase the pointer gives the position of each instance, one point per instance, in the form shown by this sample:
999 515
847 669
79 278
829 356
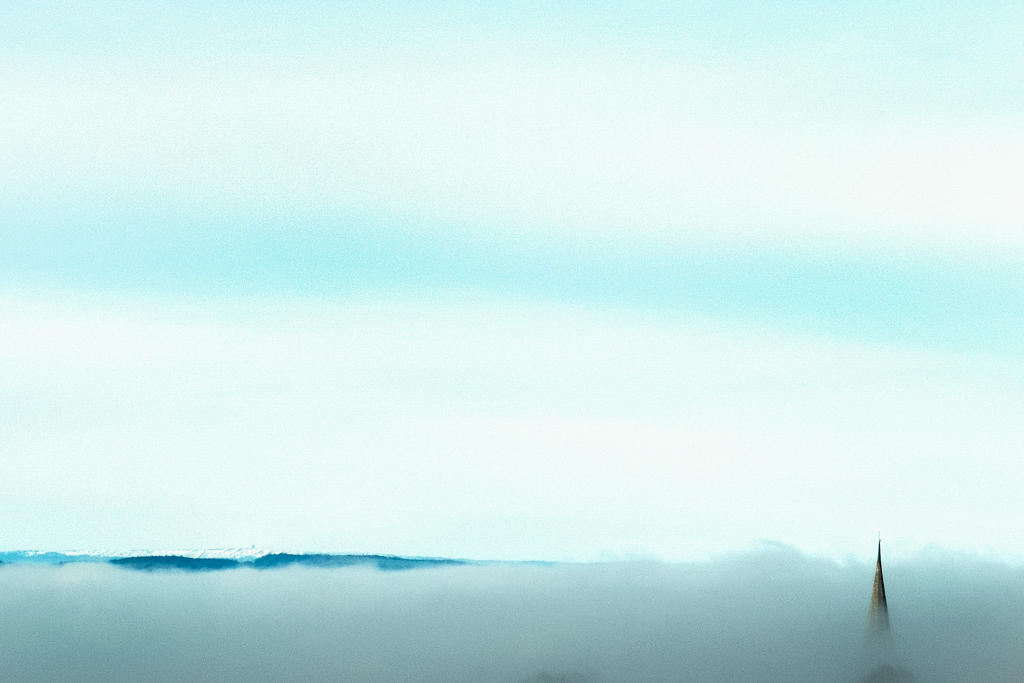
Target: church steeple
878 616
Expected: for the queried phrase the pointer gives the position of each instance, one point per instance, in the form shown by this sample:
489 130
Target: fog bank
769 615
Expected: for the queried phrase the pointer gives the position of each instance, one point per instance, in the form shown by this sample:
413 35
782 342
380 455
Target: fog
772 614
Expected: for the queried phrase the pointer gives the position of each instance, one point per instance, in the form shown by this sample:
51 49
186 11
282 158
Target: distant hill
227 559
100 555
151 562
45 557
384 562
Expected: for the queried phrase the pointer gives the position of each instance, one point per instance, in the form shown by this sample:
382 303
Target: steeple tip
879 612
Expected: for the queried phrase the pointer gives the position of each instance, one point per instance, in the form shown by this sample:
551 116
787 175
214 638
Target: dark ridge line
280 560
383 562
152 562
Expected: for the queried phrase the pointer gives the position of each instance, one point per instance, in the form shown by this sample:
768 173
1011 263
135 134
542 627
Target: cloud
772 614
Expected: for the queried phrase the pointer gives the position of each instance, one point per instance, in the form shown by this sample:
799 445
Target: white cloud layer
768 615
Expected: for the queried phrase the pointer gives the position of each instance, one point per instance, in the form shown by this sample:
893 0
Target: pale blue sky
905 297
537 282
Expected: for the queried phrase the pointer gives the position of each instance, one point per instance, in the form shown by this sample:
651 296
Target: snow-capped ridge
247 554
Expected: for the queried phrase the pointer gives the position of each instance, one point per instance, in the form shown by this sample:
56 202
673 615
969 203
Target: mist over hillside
773 614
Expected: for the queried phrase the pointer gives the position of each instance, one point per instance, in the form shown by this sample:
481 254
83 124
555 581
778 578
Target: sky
594 281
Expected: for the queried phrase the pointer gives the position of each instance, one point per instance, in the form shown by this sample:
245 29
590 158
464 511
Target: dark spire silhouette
878 616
